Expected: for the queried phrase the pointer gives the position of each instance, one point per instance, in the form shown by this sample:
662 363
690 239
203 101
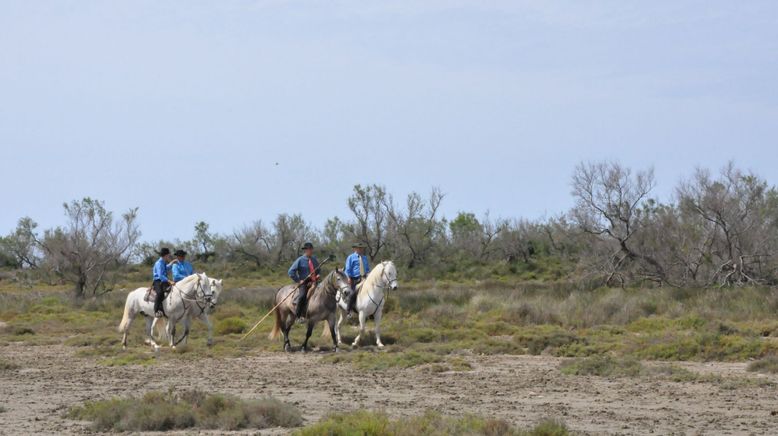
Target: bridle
202 303
332 287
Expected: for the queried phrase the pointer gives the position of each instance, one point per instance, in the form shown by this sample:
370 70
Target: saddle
151 295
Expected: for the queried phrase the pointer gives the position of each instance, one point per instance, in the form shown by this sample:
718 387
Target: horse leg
187 324
307 336
335 335
207 321
150 322
337 326
285 329
171 332
362 318
126 331
378 329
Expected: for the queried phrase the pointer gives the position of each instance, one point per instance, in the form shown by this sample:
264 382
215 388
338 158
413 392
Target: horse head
204 290
339 282
389 274
216 289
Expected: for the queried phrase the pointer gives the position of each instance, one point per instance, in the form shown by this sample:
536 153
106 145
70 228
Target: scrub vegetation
431 423
163 411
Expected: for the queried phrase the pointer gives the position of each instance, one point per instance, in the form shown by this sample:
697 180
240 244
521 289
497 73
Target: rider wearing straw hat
356 269
305 265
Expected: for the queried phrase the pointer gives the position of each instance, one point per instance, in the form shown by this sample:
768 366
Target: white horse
193 291
370 299
202 311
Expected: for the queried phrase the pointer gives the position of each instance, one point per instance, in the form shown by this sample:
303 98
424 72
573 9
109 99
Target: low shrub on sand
368 423
767 365
158 411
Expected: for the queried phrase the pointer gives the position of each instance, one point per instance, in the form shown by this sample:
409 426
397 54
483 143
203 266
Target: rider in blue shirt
357 268
181 267
161 283
299 272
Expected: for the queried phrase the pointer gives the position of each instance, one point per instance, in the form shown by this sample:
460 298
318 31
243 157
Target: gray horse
322 305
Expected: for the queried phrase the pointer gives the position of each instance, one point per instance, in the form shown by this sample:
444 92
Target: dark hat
164 251
357 245
180 253
306 246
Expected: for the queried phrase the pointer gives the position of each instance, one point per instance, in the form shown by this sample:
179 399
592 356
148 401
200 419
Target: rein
187 297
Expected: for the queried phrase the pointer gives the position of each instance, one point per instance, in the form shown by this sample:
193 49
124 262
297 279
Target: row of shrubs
163 411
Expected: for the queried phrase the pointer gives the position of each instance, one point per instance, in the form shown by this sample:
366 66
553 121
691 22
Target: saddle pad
151 295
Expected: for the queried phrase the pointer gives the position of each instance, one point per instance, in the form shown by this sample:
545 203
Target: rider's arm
293 273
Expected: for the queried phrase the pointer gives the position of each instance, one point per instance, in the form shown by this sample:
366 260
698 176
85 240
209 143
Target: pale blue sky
495 102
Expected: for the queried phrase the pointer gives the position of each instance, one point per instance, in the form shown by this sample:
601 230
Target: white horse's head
204 290
216 290
390 274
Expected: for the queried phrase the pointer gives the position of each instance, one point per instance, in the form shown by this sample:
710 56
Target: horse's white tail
126 316
277 327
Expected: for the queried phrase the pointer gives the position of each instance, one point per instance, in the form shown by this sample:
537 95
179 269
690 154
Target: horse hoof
380 345
336 350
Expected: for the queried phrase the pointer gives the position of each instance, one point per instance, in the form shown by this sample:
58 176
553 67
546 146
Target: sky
233 111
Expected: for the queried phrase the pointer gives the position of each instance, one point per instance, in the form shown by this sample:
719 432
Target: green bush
231 325
157 411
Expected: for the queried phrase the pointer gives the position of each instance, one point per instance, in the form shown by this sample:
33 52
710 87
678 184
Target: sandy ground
520 389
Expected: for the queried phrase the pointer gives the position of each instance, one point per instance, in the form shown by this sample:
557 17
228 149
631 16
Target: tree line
718 229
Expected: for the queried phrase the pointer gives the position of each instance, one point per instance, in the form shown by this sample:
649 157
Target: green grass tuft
366 423
231 326
157 411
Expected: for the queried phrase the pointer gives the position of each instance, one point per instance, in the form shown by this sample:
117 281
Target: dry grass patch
768 365
157 411
366 423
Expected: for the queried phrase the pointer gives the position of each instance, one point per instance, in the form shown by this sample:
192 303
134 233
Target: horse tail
126 316
277 327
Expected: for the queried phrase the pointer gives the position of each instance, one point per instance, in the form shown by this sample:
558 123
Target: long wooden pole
285 298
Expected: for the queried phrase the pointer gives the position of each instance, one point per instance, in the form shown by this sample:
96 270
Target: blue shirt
352 265
299 269
182 270
160 270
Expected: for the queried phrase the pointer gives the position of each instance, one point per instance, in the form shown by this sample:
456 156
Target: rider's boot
299 306
352 301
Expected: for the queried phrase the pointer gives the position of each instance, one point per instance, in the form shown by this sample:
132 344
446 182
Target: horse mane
325 282
372 277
